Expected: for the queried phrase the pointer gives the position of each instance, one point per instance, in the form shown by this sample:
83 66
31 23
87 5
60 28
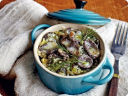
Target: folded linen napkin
16 22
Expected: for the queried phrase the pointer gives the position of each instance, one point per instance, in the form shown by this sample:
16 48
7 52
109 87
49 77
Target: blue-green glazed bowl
70 84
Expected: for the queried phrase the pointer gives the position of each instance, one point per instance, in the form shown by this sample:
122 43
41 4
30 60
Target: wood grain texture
108 8
114 87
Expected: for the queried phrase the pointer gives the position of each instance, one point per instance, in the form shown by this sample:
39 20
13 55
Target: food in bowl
70 51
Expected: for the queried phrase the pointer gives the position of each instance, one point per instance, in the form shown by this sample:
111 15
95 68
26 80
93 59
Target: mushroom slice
51 35
81 50
53 58
52 55
67 31
62 71
64 54
78 36
75 35
65 42
85 61
48 46
91 48
73 50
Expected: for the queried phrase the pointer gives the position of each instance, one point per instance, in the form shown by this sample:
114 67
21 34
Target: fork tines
120 38
121 34
118 49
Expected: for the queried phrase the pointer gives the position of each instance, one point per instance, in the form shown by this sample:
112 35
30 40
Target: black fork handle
113 84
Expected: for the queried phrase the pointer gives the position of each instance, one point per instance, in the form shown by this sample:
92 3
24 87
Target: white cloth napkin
17 19
16 22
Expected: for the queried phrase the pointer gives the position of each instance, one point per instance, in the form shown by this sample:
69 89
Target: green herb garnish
62 47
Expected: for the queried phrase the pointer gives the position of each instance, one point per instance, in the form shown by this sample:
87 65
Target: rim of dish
36 43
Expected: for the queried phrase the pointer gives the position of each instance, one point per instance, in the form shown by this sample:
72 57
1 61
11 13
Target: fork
118 49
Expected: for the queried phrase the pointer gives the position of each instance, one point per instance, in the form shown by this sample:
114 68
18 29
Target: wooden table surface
108 8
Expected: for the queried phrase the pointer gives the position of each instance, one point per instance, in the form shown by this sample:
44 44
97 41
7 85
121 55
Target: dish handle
41 26
91 81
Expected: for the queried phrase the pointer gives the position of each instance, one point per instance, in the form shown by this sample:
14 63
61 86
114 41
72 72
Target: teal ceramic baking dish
70 84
